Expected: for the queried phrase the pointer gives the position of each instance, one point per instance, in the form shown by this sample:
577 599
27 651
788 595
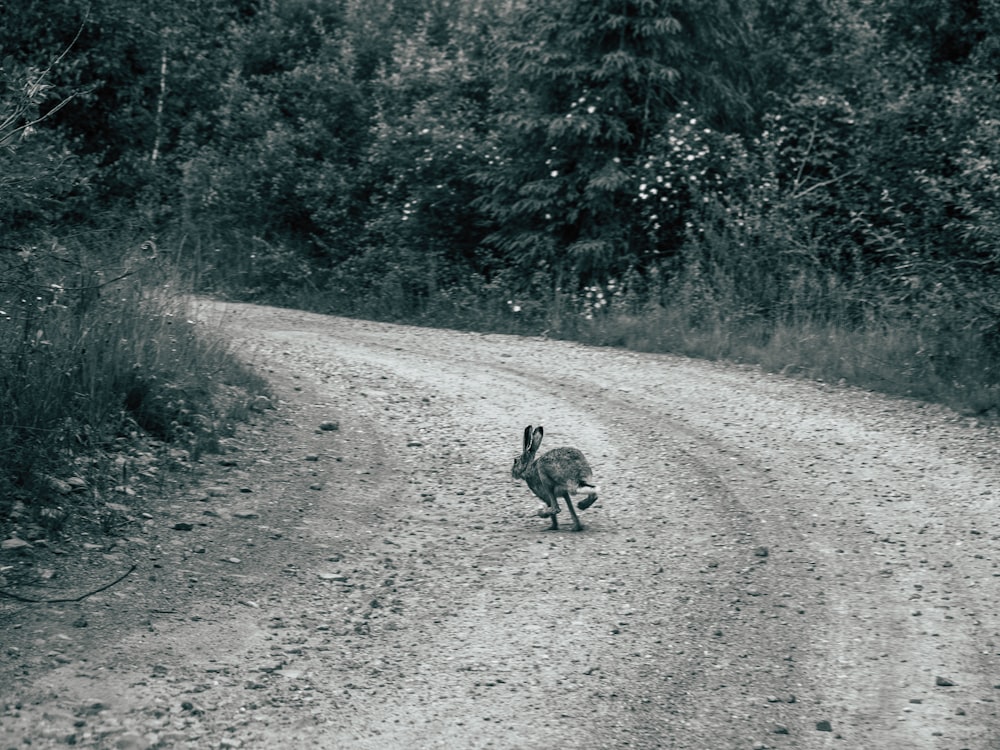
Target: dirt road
771 564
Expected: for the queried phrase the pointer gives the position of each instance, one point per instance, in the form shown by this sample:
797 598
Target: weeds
805 324
94 353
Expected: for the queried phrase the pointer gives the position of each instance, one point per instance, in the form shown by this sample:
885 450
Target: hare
559 473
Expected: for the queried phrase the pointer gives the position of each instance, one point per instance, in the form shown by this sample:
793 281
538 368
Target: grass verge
95 355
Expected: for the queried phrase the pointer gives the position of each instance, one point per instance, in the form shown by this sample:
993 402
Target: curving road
772 563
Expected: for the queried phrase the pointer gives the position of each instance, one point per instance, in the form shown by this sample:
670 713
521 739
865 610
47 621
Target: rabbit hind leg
577 526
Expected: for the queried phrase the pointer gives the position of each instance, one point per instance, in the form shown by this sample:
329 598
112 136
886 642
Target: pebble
261 403
14 543
77 483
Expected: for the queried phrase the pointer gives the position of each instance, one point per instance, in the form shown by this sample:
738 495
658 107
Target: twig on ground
74 599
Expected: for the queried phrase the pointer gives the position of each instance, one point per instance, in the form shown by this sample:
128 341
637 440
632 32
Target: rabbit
559 473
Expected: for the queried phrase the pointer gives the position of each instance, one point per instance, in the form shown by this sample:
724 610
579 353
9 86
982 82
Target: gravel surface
772 564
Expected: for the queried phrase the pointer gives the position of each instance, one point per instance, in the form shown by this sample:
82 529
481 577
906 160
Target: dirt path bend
772 563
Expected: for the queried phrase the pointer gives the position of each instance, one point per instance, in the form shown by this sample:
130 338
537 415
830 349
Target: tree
39 175
290 127
589 87
137 75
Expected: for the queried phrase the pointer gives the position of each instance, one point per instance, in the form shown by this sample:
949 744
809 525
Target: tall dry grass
95 349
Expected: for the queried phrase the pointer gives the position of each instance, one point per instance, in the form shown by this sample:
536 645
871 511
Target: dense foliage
813 184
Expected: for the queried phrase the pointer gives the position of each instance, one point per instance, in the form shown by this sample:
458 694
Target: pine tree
588 84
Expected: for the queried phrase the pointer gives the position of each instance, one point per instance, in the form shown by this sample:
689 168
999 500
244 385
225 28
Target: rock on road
771 564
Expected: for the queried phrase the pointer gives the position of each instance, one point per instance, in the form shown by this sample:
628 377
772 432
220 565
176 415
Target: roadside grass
97 353
795 320
898 359
936 357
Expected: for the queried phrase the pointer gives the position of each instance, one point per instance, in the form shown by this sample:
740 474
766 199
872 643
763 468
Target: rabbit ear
527 438
536 438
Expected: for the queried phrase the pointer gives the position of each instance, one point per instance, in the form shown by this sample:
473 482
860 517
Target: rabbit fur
561 472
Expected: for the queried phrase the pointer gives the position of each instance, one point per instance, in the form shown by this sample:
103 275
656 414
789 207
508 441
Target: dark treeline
809 184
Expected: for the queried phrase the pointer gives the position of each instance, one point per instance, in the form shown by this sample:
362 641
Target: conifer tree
589 84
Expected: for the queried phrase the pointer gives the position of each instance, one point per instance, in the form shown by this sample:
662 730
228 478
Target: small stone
14 543
329 426
761 552
77 483
312 457
943 682
183 526
824 726
58 485
780 729
332 577
261 403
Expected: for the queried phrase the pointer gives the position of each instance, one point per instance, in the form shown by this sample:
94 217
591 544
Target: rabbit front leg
553 516
551 509
553 502
546 495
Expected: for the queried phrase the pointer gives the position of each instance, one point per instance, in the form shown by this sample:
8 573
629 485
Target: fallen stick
75 599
